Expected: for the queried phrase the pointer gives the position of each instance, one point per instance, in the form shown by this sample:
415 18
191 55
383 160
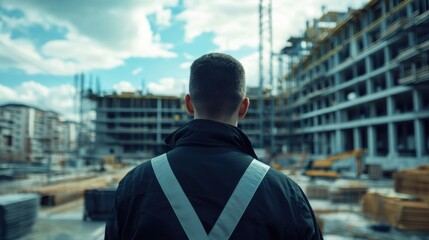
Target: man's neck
230 121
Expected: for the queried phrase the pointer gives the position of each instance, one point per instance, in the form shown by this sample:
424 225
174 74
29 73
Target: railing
393 27
419 75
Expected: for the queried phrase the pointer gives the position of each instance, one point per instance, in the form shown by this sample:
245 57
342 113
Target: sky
131 44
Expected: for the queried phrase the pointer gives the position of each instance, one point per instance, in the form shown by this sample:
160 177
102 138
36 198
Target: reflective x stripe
179 202
230 215
239 200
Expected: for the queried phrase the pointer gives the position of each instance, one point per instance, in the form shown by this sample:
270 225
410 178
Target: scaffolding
266 74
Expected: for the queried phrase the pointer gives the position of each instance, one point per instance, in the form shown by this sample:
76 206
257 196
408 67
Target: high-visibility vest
232 212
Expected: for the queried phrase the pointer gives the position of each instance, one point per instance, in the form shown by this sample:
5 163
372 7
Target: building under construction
354 80
365 84
132 125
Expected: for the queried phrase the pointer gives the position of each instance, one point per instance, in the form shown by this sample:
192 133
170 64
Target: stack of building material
64 192
403 213
317 191
18 213
413 181
375 171
352 192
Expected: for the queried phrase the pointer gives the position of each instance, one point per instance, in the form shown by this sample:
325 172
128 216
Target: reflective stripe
232 212
179 202
239 200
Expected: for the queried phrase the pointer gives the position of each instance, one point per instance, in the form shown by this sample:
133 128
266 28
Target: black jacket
208 159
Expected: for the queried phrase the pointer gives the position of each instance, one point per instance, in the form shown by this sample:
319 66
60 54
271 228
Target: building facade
366 85
133 126
30 134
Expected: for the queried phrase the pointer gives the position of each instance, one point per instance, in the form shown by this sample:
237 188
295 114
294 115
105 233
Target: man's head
217 88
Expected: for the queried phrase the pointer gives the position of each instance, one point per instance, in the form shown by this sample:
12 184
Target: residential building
31 134
5 134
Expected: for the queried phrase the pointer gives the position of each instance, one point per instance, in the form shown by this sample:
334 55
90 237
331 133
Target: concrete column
357 139
371 141
324 143
383 13
387 54
393 139
418 133
365 35
332 146
339 141
158 120
369 87
390 106
389 80
316 143
417 100
338 118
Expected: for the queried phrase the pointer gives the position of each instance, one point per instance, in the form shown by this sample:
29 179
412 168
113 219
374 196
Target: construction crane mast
265 72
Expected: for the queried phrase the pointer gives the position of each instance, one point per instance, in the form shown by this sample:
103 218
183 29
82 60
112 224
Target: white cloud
231 21
188 56
251 67
124 86
235 23
168 86
163 17
100 35
7 94
58 98
185 65
137 71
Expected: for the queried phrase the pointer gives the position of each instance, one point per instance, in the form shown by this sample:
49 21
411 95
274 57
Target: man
209 186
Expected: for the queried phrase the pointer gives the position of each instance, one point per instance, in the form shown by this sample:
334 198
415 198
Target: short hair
217 84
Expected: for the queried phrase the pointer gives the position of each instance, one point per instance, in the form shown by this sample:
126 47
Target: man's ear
243 107
188 104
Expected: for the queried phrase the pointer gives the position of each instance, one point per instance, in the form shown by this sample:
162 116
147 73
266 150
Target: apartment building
69 132
5 132
31 134
365 85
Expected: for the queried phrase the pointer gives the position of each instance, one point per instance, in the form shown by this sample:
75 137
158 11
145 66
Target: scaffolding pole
265 56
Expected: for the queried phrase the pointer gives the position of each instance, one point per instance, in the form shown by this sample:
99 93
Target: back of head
217 85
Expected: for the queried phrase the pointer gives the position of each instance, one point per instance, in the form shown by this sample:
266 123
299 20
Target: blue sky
131 43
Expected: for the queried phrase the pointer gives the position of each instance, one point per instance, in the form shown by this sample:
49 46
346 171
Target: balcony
417 77
393 28
418 20
412 52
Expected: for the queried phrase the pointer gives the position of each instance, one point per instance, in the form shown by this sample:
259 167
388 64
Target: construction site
346 117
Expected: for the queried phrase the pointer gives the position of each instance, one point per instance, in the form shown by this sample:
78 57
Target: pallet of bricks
408 210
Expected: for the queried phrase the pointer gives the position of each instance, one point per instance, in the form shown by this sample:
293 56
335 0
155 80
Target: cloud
100 35
58 98
163 17
137 71
185 65
231 33
188 56
251 67
235 23
168 86
124 86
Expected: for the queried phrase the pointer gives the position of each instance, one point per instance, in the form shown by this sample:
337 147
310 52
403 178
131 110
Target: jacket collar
203 132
